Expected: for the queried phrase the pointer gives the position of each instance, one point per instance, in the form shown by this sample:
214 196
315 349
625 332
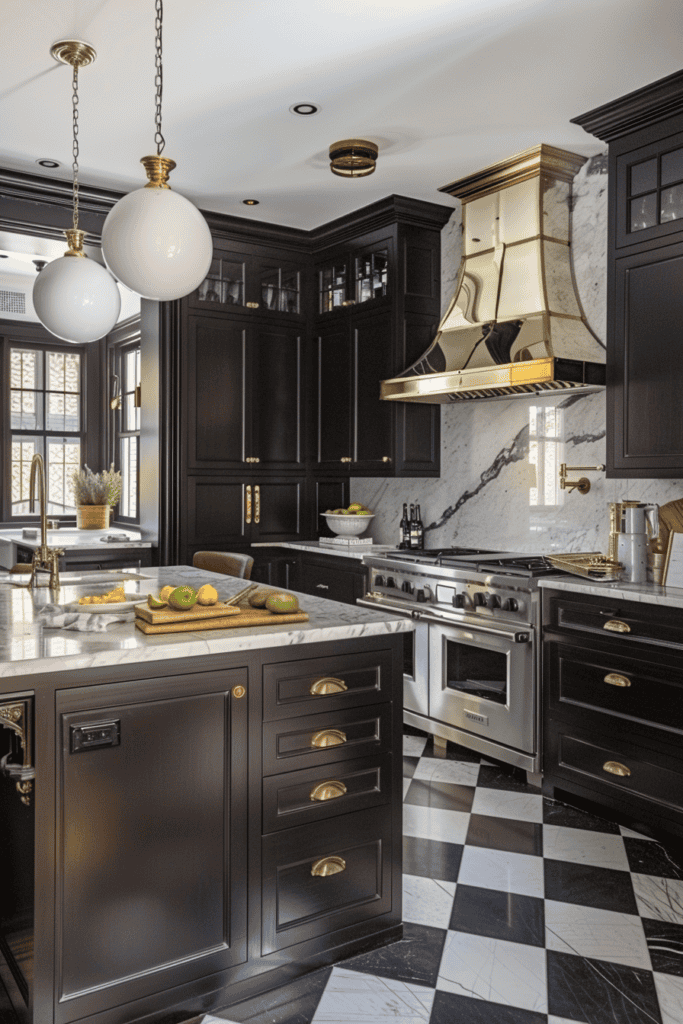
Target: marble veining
352 997
596 934
494 969
27 646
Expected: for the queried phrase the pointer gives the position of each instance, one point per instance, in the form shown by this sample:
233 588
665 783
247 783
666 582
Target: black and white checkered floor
518 910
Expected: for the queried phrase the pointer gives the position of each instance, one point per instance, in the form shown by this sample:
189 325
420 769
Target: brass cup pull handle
614 679
326 685
328 738
617 626
616 768
328 866
331 790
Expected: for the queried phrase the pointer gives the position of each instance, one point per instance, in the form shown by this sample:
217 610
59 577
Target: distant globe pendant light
75 298
154 240
353 158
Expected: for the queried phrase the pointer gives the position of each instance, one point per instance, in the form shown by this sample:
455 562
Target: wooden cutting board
250 617
158 616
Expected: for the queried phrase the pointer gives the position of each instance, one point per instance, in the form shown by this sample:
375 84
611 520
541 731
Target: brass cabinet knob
386 458
328 738
616 768
347 459
615 679
328 866
331 790
252 305
617 626
239 691
326 685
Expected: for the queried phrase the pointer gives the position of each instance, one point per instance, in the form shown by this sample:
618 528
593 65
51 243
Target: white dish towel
53 616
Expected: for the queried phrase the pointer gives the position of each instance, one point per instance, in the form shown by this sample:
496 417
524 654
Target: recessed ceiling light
49 163
251 202
305 109
3 256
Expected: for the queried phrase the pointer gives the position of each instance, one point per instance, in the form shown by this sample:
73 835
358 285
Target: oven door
482 681
416 669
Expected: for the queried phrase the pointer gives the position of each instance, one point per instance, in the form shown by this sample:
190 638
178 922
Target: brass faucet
583 484
45 559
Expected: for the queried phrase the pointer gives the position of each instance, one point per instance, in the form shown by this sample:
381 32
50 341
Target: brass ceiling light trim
353 158
73 52
157 169
251 202
74 237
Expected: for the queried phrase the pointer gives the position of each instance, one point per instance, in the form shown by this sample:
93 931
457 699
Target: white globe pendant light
155 241
75 298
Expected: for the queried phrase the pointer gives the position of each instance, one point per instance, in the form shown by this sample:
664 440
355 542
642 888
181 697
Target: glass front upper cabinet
655 190
224 285
252 283
353 281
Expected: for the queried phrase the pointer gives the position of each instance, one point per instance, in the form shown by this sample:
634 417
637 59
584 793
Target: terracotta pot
93 517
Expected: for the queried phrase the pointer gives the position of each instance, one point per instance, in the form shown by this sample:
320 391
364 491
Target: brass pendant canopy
353 158
73 52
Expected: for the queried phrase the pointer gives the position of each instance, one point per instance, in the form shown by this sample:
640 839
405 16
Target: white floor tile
406 786
670 995
581 846
354 998
414 745
499 803
563 1020
461 773
634 835
427 901
492 969
596 934
435 823
659 898
498 869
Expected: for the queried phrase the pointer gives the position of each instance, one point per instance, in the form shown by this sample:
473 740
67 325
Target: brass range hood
515 326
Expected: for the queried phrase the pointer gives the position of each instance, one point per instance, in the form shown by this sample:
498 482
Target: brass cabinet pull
328 790
614 679
238 691
347 459
322 586
328 866
327 684
252 305
616 768
617 626
257 503
247 503
386 458
257 460
328 738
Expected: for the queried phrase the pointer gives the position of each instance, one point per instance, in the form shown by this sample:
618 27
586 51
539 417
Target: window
46 418
125 363
546 436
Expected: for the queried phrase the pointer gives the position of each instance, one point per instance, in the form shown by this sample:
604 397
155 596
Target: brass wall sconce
583 484
353 158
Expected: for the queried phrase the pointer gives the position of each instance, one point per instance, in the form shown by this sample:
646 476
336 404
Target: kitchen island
212 812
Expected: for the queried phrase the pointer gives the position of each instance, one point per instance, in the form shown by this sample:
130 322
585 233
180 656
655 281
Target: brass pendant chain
74 105
159 78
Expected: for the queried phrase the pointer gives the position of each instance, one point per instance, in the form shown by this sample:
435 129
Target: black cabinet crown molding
384 213
639 109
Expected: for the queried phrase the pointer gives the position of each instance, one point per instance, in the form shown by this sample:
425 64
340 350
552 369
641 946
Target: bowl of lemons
349 522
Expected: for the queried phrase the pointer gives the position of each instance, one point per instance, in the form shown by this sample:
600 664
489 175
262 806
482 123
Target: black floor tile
505 834
409 766
454 752
498 915
290 1004
415 959
555 813
446 795
589 886
431 859
602 993
646 857
665 942
493 776
450 1008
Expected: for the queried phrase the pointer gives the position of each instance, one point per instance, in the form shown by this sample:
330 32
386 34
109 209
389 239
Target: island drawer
322 877
625 685
316 793
323 739
314 684
615 764
629 622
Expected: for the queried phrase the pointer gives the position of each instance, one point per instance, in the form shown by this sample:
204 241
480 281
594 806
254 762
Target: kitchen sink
68 579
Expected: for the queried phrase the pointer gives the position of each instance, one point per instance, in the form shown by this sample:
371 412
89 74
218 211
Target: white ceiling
444 87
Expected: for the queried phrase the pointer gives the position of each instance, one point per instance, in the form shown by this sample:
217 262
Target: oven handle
517 636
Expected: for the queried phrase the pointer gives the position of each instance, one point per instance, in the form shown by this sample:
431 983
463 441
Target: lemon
165 593
207 594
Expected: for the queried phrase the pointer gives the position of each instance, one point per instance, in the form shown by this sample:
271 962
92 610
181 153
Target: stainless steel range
472 664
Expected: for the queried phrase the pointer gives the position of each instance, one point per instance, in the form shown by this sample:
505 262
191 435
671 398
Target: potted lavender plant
95 494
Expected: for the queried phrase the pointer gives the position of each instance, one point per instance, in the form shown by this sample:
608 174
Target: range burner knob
407 587
479 599
421 596
390 581
510 605
459 601
380 581
492 601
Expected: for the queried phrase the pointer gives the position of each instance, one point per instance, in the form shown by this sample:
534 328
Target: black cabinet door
276 398
334 382
278 509
219 419
372 419
216 514
645 381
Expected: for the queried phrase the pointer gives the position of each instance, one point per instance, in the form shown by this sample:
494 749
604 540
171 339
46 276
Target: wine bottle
404 529
419 528
414 536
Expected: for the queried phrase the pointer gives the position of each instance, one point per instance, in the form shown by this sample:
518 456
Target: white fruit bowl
348 526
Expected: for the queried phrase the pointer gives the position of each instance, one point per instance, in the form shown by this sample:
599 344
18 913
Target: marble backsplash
500 460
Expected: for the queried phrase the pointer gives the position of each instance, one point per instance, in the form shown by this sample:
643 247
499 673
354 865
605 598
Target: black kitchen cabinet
75 558
249 280
357 277
645 261
612 700
332 576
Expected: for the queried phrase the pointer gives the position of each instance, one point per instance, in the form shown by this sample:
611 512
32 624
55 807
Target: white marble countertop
644 593
28 647
70 538
352 551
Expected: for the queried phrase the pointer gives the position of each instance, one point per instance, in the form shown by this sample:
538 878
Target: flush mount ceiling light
51 164
250 202
353 158
304 109
154 240
74 297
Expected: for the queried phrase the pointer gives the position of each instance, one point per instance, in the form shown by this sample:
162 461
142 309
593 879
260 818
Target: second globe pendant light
153 240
